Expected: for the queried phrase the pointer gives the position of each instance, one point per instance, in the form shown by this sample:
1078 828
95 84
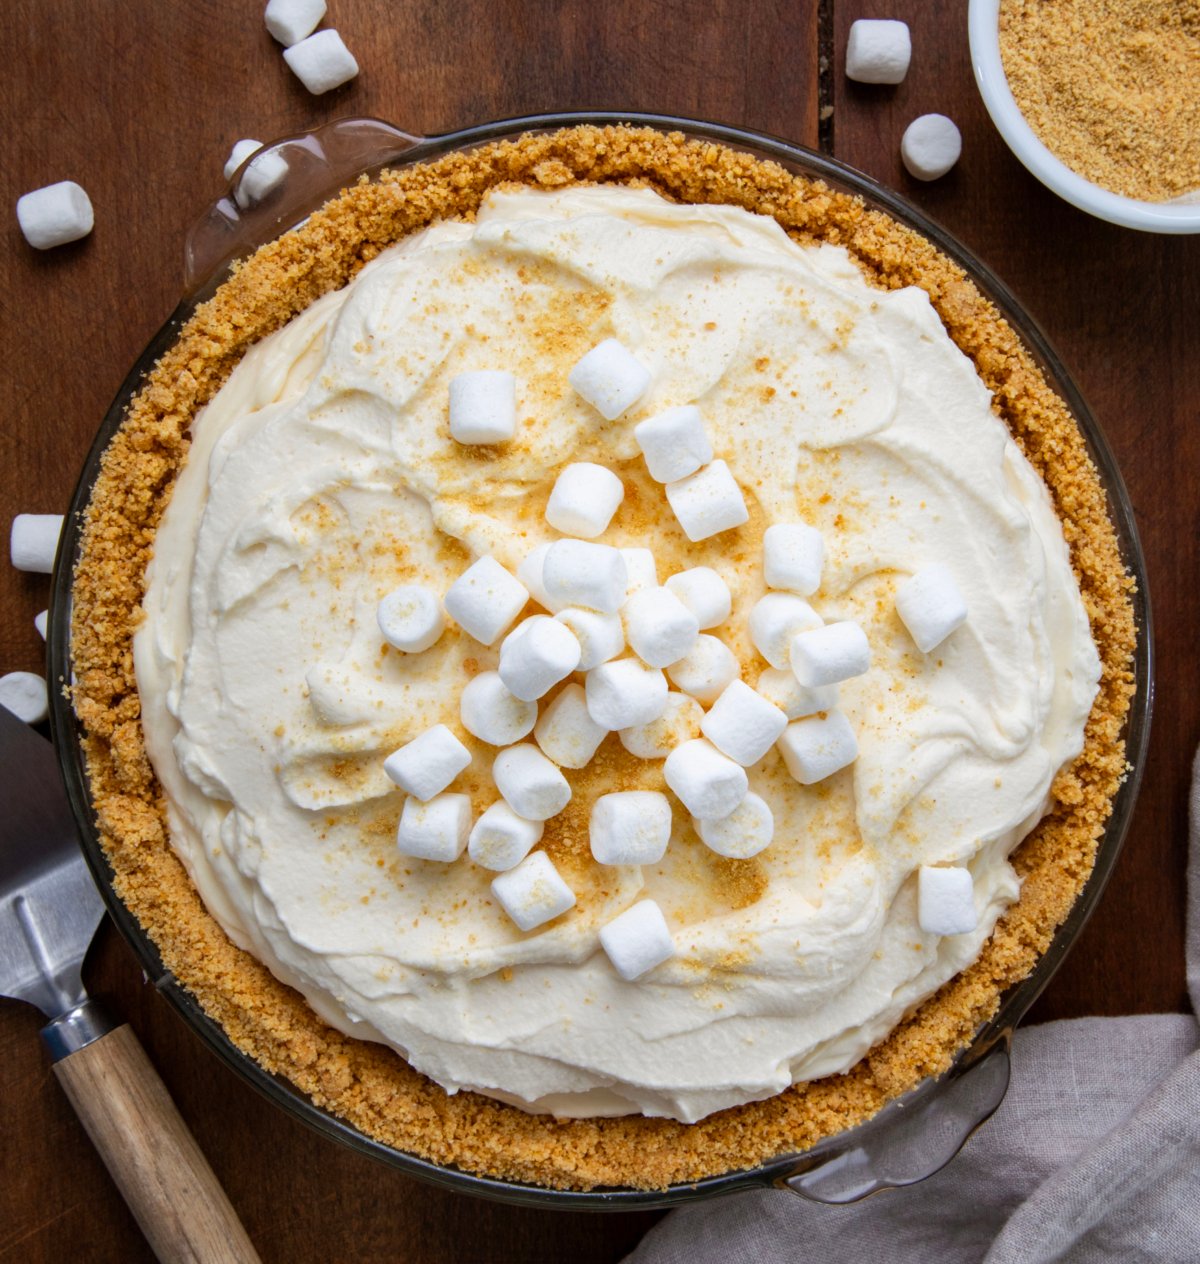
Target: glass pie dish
915 1134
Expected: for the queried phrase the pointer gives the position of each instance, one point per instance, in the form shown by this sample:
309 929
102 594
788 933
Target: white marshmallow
600 636
674 443
931 606
25 695
492 713
774 620
824 656
261 176
642 570
429 763
566 732
501 839
33 541
55 215
743 724
533 893
706 671
321 62
531 785
946 901
631 827
878 51
485 599
707 783
625 693
679 723
289 21
536 655
410 618
743 833
42 622
708 502
637 940
584 499
704 593
529 572
930 146
660 629
817 747
610 378
242 149
483 406
793 555
780 686
576 573
436 830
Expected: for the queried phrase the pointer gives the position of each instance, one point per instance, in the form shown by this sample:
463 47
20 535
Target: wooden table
141 101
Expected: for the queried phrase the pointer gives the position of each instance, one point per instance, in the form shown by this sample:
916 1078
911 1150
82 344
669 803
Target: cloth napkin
1093 1156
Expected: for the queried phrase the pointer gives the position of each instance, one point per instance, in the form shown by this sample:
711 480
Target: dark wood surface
140 102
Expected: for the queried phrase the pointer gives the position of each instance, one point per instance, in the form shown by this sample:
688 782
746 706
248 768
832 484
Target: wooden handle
151 1155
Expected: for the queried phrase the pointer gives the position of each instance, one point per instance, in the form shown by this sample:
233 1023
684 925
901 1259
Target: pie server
49 911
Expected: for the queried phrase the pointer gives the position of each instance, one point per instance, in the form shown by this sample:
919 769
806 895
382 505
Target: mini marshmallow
42 622
931 606
610 378
242 149
600 636
878 51
930 146
501 839
793 555
492 713
710 785
410 618
631 827
55 215
706 671
743 833
708 502
642 570
743 724
584 499
289 21
704 593
566 732
625 693
946 901
531 785
533 893
25 695
637 940
485 599
321 62
536 655
817 747
262 175
428 764
780 686
824 656
674 443
529 572
436 830
679 723
483 406
659 627
774 620
594 576
33 541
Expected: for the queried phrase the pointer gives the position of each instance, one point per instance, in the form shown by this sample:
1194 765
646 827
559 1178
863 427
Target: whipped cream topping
323 475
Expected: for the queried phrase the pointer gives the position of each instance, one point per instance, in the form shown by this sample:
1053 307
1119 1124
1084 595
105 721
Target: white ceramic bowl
983 25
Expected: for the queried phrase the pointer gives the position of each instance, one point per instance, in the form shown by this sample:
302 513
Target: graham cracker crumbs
1111 87
367 1084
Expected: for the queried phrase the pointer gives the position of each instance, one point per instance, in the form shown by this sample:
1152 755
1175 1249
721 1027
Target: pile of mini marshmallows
650 668
33 543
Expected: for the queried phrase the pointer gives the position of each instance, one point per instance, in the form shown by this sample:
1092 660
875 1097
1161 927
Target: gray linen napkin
1094 1156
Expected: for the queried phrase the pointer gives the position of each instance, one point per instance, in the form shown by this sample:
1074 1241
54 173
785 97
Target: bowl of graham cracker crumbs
1099 100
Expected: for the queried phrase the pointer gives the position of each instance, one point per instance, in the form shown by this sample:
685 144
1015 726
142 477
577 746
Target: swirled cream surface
323 475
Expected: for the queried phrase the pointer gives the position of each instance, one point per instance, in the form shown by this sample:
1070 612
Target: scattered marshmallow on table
793 555
637 940
611 378
485 599
242 149
25 695
930 146
533 893
33 541
600 636
878 51
705 672
530 784
436 830
576 573
780 686
492 713
743 724
429 763
630 827
748 829
642 570
42 622
501 839
624 693
678 723
566 732
55 215
321 62
529 572
704 593
262 175
825 656
775 619
660 629
483 406
710 785
584 499
289 21
817 747
708 502
536 655
946 901
674 443
410 618
931 606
